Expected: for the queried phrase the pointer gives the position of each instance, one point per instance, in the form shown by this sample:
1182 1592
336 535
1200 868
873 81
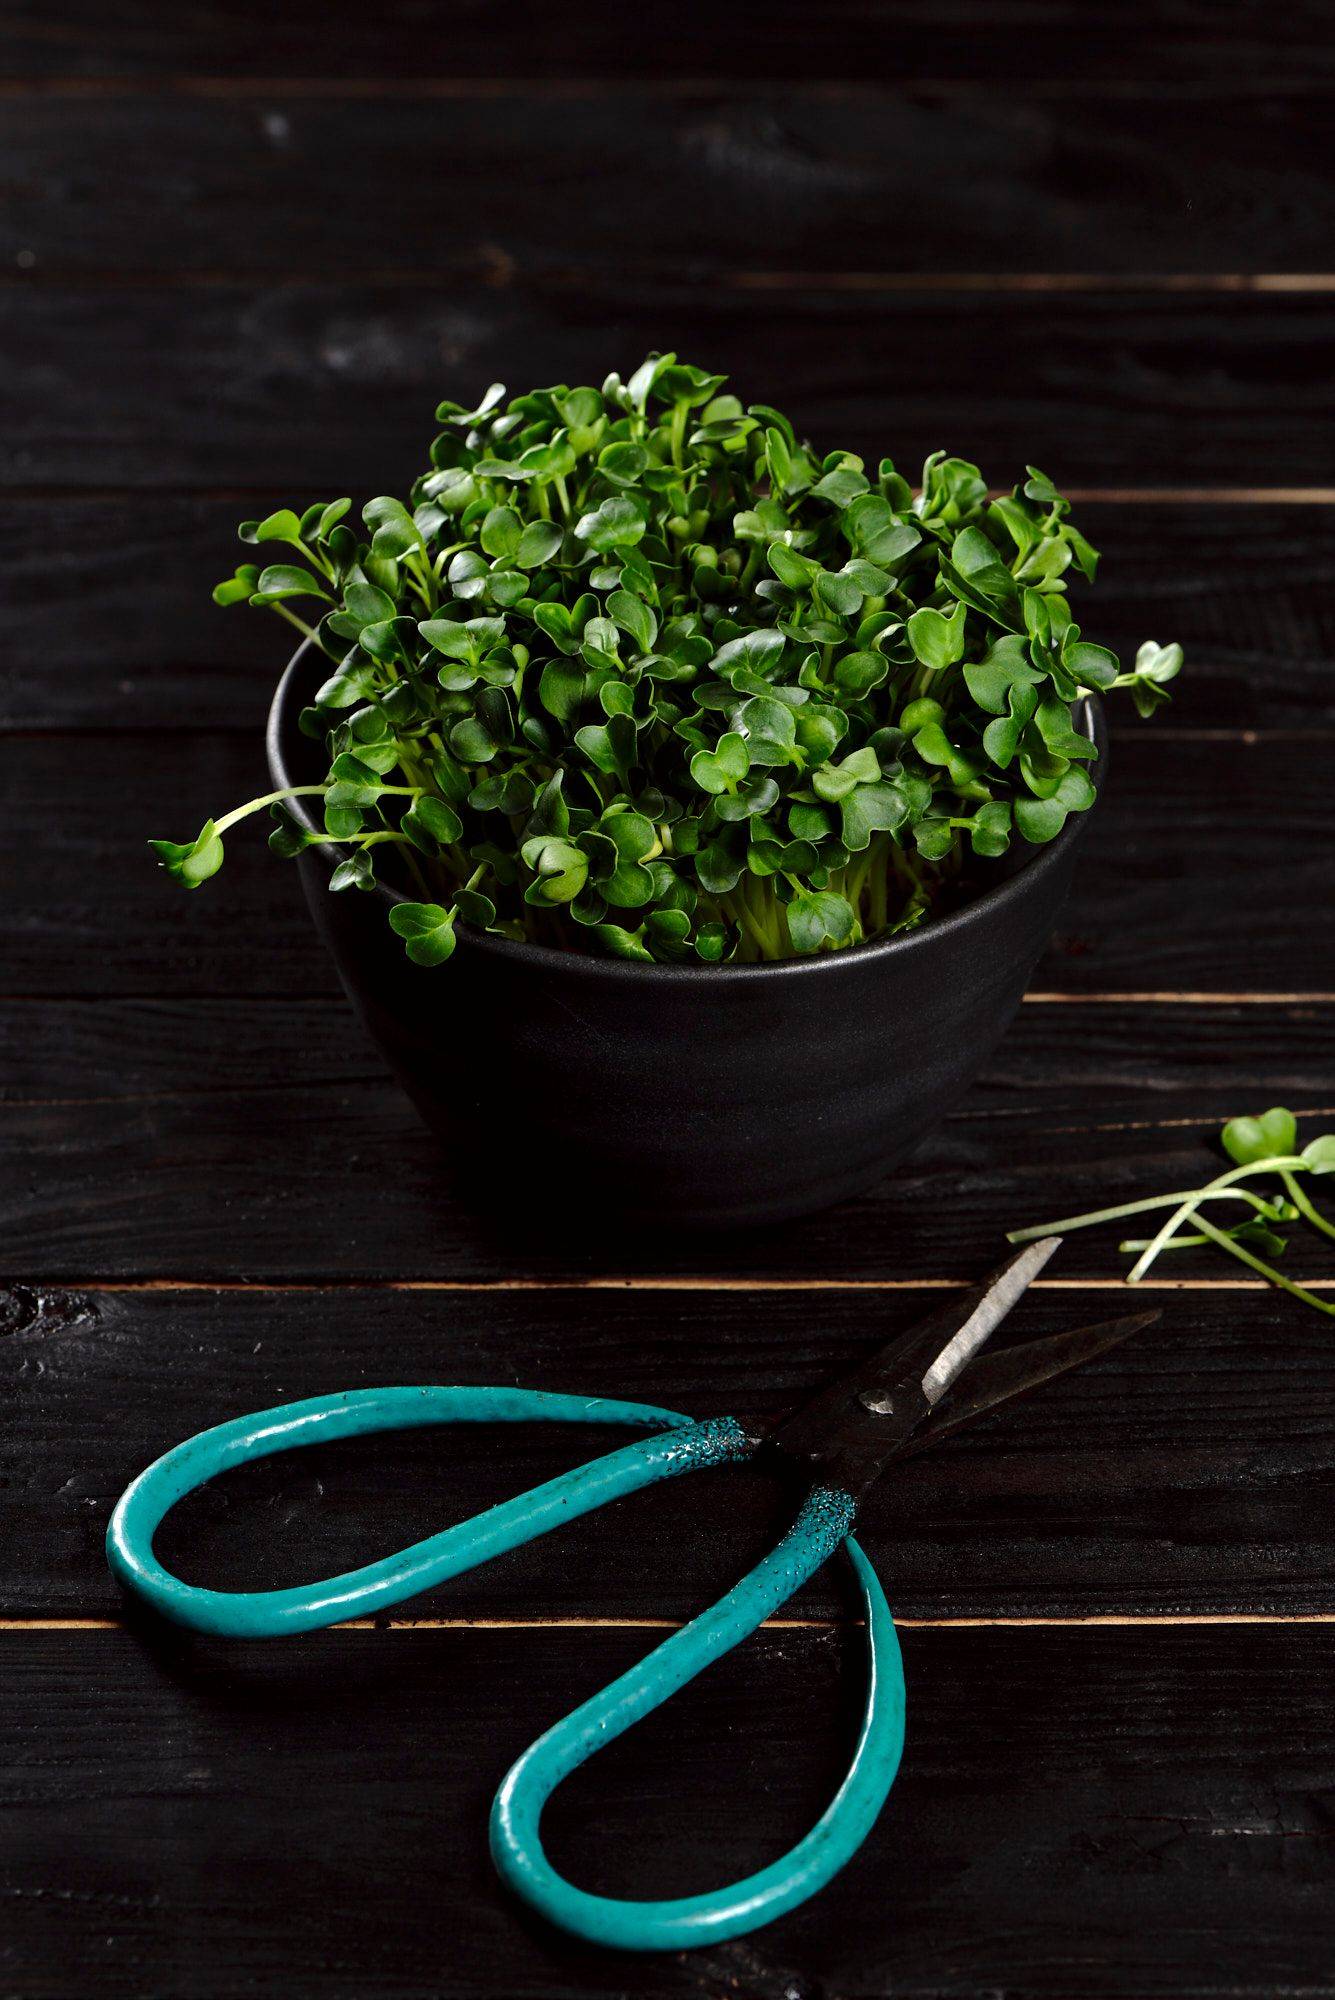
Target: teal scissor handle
678 1923
677 1445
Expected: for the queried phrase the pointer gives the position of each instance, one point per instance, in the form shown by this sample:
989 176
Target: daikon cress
738 787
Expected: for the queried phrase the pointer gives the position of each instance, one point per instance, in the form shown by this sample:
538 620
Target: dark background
244 250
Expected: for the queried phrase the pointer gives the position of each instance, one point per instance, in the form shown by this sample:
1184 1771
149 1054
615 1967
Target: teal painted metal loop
679 1446
679 1923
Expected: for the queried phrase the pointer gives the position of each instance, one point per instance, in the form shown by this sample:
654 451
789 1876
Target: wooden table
246 250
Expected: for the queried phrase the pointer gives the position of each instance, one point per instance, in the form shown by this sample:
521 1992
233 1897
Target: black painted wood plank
1109 1812
333 386
1201 853
979 43
183 1820
1189 1471
899 180
226 1140
110 624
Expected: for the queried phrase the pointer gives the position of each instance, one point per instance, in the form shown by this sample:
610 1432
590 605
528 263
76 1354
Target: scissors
832 1452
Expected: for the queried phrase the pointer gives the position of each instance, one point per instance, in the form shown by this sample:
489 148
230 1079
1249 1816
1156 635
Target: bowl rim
822 965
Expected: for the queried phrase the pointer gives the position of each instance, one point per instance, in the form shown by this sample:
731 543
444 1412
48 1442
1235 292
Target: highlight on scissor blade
998 1294
849 1432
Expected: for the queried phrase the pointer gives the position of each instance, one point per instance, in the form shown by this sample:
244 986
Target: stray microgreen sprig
1265 1144
634 670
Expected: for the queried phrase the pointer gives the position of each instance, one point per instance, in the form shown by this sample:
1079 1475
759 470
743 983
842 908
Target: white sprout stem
1129 1246
1266 1270
1306 1207
1212 1192
269 799
1192 1202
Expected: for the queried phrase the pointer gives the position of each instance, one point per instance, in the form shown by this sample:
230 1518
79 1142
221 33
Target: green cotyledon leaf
427 931
633 667
1269 1136
195 861
819 918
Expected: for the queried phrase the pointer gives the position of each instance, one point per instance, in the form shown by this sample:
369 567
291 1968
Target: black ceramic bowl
709 1095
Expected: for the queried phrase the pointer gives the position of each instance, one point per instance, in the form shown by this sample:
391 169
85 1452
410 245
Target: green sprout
1267 1144
635 671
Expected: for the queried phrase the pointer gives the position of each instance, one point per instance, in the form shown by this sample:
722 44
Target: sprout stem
1191 1202
677 434
1305 1206
1129 1246
1213 1192
292 618
1266 1270
740 909
269 799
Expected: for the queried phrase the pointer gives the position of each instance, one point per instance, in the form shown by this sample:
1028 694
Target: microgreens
1267 1144
635 671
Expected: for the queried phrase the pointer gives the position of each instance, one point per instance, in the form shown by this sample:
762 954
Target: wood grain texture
226 1140
698 185
333 386
1102 1812
976 43
1190 877
1248 590
1189 1471
245 251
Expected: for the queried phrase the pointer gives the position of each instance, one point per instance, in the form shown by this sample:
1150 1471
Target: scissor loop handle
678 1923
679 1446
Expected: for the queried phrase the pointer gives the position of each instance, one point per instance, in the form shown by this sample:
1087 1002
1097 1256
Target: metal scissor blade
1003 1290
1014 1371
847 1434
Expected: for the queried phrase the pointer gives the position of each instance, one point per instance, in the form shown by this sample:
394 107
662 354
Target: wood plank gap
1137 496
1094 1126
497 271
637 1284
1170 733
1167 997
595 87
1179 999
1032 281
1204 496
966 1622
375 1076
